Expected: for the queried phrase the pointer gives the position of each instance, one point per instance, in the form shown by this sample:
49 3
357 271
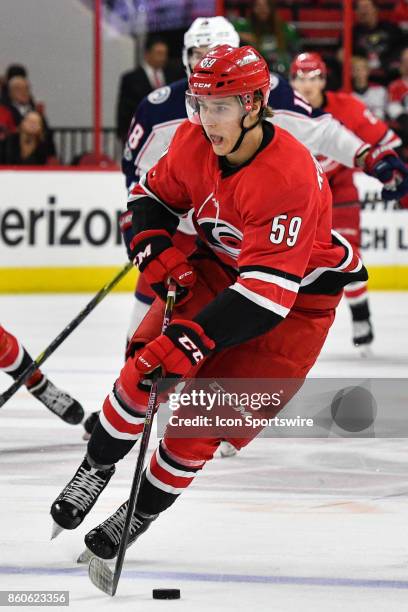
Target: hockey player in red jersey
160 113
308 75
14 359
256 299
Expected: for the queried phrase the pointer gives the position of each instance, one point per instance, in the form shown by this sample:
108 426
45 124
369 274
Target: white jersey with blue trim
161 112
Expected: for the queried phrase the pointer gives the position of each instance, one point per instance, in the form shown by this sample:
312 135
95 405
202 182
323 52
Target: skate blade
85 556
56 530
101 576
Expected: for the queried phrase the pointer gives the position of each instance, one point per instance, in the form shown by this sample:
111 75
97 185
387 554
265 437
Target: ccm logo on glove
190 346
143 255
182 346
153 252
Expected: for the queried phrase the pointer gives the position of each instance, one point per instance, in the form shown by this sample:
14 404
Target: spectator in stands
28 146
399 15
380 41
8 122
397 109
12 71
273 37
19 100
138 83
373 95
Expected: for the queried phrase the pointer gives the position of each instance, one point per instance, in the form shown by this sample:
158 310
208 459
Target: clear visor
211 110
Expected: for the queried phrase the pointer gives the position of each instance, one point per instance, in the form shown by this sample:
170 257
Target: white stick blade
101 575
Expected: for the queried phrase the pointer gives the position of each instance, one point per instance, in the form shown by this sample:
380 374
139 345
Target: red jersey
399 14
7 123
270 219
397 98
359 119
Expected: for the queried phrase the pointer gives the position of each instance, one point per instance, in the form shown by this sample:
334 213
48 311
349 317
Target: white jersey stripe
310 278
134 420
260 300
161 485
173 470
119 435
272 278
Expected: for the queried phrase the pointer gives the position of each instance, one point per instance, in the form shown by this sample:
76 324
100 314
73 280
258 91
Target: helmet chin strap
244 131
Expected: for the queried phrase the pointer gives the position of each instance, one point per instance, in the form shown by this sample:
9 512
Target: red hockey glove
383 163
182 346
125 225
153 252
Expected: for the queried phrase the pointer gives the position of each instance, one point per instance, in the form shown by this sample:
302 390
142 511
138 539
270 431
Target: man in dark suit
138 83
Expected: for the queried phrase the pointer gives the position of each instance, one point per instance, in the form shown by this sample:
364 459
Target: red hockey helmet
308 65
228 71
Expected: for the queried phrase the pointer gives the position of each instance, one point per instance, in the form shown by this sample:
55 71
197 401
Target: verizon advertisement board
69 220
61 218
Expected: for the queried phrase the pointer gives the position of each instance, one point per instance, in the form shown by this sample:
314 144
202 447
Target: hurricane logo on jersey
222 236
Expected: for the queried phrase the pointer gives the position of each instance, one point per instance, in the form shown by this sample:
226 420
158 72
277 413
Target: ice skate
57 401
103 541
79 496
363 337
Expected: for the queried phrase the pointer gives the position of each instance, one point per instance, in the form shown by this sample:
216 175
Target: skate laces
113 526
56 400
83 489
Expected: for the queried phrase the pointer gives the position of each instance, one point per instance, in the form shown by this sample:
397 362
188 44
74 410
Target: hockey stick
99 572
4 397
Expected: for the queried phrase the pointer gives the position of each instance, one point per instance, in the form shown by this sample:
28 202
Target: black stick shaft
4 397
147 428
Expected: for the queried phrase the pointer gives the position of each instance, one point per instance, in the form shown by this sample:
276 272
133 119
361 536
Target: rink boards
59 232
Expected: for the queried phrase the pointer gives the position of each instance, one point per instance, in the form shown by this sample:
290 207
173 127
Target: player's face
310 88
195 55
360 72
221 119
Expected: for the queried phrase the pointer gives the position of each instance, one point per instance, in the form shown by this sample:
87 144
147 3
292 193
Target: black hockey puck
166 593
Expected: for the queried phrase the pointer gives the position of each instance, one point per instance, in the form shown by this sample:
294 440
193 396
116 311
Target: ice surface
302 525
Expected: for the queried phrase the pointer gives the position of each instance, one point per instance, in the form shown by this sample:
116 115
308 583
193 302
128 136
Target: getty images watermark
242 403
228 408
278 408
